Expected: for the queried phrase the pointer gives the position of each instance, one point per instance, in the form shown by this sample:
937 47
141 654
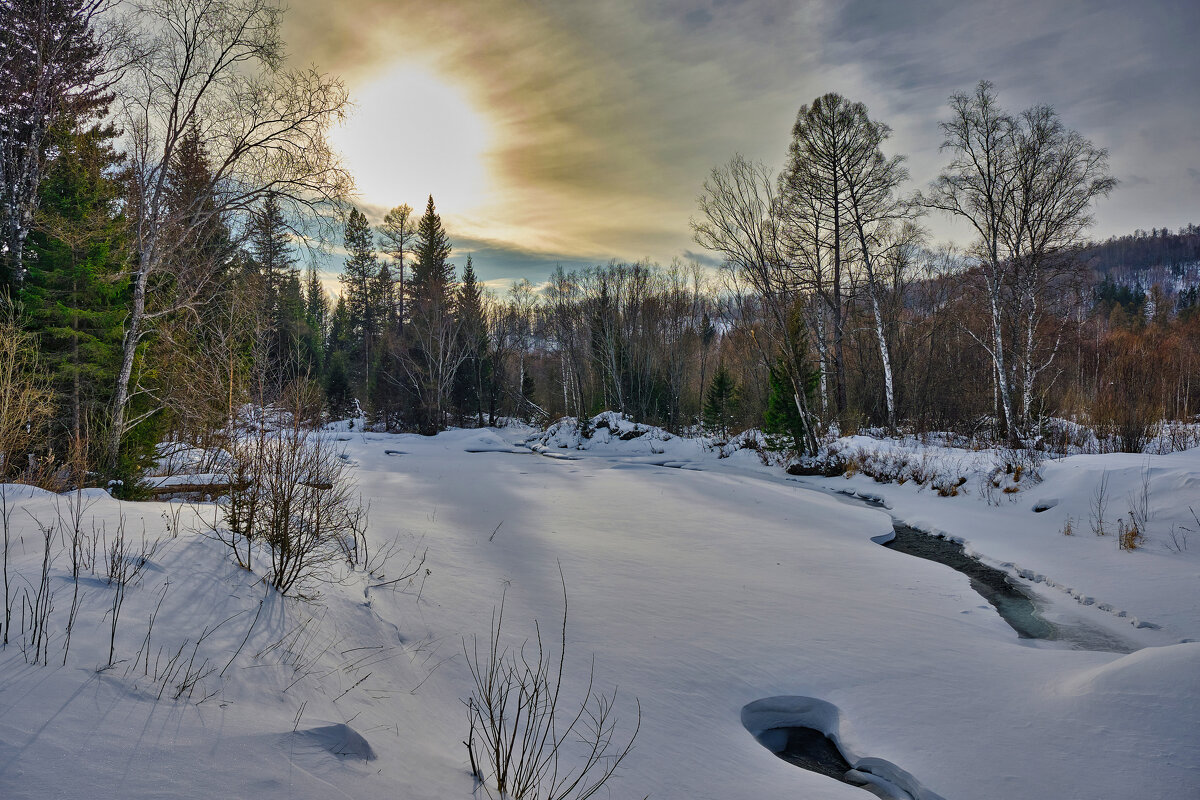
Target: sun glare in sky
410 135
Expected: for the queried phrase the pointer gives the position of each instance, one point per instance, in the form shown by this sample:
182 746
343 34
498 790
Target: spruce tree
316 302
358 277
283 304
432 351
432 272
338 390
782 422
201 247
271 244
51 68
476 368
73 291
720 403
386 314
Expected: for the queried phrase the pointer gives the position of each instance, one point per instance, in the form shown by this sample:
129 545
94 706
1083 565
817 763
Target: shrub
521 730
290 492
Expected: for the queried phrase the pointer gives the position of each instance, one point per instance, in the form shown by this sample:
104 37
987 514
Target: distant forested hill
1142 251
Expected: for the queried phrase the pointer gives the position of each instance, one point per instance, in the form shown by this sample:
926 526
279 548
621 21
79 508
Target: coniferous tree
432 351
476 369
782 422
201 247
216 288
283 304
720 403
386 315
358 278
73 291
432 273
316 302
271 244
51 77
397 237
339 392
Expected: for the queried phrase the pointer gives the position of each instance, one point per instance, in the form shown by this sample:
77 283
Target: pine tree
397 237
358 277
720 403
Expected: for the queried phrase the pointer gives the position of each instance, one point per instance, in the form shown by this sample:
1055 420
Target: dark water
812 750
1014 604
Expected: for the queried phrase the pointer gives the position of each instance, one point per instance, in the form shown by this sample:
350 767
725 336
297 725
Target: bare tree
814 232
978 186
434 352
1026 185
215 68
1058 174
739 219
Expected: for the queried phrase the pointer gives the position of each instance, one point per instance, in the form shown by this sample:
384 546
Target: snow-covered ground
701 585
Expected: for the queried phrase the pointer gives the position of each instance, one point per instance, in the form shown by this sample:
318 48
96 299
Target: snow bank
697 591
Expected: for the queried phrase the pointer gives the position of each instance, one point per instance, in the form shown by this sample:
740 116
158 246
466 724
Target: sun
412 134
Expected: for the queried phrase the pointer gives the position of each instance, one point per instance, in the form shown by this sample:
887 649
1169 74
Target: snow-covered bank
1022 529
699 591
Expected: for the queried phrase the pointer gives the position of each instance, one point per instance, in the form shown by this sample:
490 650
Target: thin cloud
607 116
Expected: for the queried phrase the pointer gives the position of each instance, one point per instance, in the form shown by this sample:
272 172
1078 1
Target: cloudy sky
575 131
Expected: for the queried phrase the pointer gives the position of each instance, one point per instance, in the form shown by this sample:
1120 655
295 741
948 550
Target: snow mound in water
876 775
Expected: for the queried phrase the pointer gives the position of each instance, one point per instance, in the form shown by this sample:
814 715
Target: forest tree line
164 176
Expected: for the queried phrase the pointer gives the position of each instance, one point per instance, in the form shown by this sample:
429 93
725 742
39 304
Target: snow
698 591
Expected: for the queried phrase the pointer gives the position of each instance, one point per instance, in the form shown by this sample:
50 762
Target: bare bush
125 564
26 402
1129 535
1178 536
6 524
35 640
1132 535
1099 505
291 492
521 730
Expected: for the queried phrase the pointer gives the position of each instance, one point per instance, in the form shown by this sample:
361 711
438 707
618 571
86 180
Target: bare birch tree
1026 185
215 67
